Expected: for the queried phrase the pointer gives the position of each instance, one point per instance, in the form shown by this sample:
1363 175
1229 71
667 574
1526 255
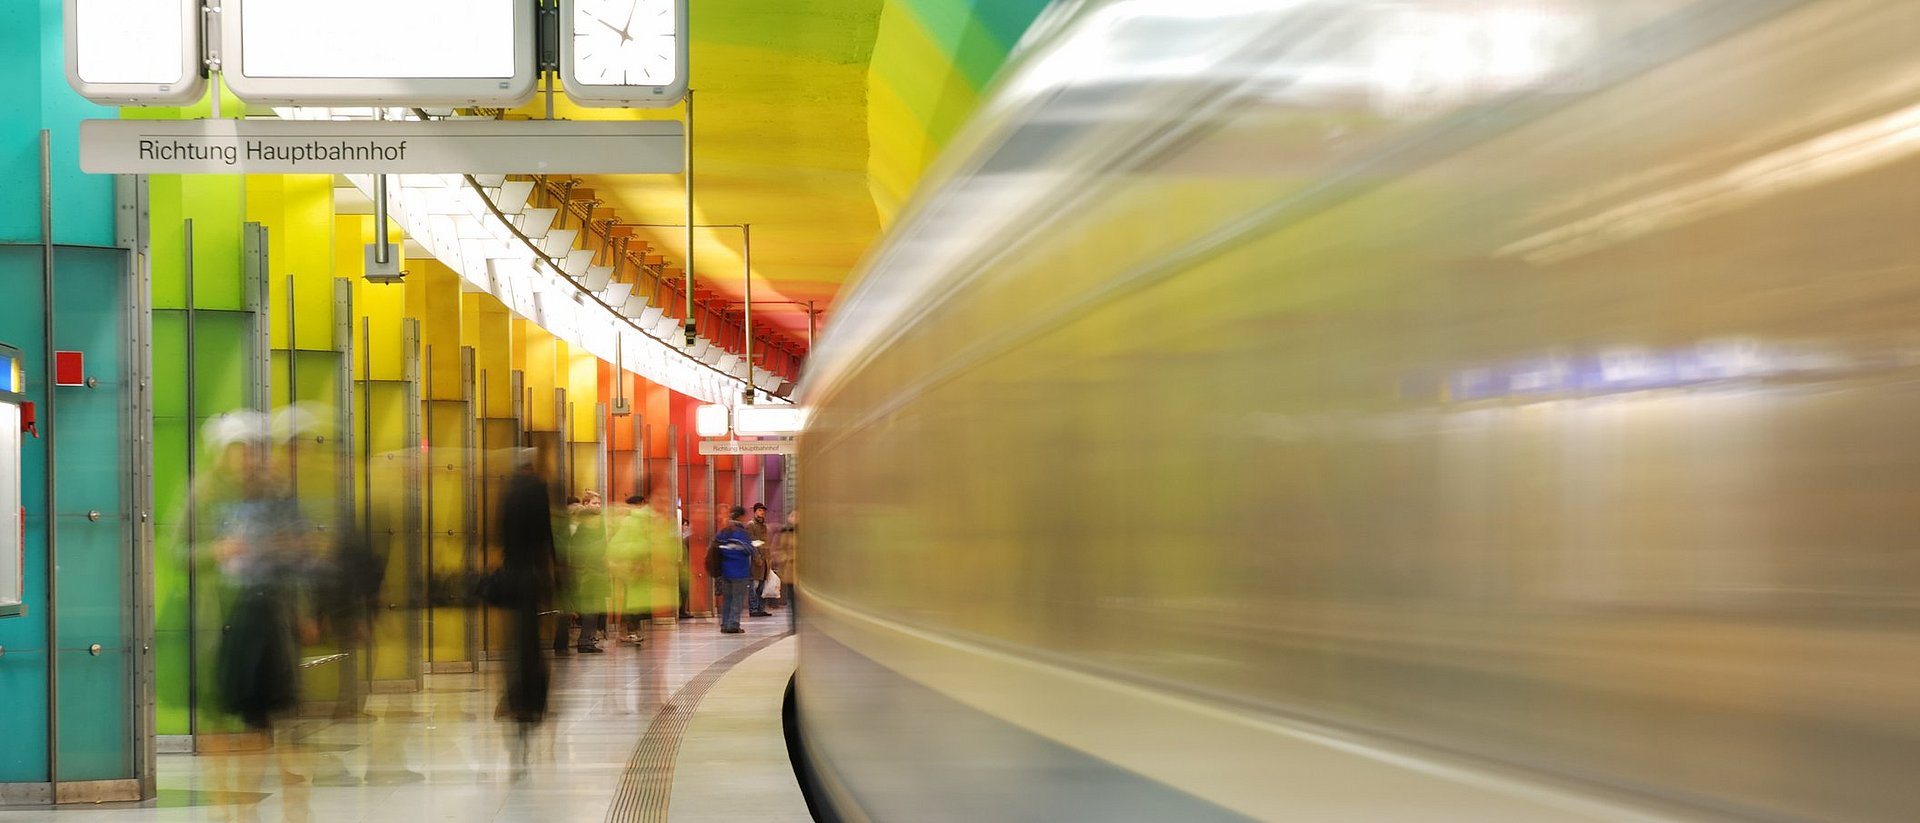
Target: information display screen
134 51
372 52
11 527
378 38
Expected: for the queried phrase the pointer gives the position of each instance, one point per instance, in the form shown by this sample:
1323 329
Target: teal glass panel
23 669
23 724
93 587
95 539
94 742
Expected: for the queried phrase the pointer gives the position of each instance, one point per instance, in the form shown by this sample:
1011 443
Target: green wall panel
221 366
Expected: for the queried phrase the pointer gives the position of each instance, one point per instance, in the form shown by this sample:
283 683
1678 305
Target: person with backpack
730 560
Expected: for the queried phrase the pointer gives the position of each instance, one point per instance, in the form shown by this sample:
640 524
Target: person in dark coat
762 547
528 565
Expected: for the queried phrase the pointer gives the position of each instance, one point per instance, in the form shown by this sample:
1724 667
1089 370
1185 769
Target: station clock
624 52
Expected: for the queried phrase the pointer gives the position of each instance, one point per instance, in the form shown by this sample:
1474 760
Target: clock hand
629 24
624 37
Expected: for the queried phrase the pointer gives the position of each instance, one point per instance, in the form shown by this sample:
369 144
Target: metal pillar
692 326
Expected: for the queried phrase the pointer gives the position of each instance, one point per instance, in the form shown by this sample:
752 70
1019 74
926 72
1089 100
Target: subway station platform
686 727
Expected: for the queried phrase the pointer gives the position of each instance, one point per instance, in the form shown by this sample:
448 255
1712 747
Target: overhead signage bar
381 147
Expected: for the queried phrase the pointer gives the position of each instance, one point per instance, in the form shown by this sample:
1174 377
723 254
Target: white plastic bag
772 587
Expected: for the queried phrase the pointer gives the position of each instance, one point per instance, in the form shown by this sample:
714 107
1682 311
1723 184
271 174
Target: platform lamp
710 420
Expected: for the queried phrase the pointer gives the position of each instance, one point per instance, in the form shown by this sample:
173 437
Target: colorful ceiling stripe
813 121
931 62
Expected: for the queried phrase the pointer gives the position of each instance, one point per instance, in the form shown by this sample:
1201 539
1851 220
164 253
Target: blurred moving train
1437 410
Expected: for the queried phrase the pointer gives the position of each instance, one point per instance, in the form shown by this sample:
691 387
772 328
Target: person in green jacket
638 536
585 555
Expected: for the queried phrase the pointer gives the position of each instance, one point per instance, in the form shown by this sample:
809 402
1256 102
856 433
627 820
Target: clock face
625 42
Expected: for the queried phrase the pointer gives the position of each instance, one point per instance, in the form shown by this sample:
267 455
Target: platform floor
608 754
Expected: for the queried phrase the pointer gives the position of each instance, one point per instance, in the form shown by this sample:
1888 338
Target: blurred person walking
686 569
585 553
731 561
268 560
638 536
347 605
762 547
525 585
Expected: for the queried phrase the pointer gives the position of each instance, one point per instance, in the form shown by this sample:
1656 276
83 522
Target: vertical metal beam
483 502
564 459
692 326
193 504
48 417
469 439
683 562
343 401
293 388
254 266
426 480
410 448
380 219
746 305
131 212
518 381
366 437
345 516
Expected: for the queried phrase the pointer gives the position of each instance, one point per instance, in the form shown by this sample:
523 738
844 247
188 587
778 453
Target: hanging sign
381 147
781 446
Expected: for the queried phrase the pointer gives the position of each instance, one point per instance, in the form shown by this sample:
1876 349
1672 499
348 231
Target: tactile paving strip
647 786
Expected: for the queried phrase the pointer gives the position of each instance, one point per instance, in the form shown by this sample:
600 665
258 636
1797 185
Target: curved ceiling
812 121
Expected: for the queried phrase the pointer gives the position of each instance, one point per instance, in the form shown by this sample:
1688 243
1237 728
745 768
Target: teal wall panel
93 742
95 560
86 424
23 669
30 48
23 725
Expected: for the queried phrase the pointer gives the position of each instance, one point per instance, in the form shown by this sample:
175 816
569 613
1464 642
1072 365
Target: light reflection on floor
439 754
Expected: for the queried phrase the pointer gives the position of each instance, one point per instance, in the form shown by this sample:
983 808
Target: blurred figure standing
528 578
762 546
786 547
734 548
265 552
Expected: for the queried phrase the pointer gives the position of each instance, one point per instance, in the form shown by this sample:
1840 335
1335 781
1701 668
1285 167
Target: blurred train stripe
1262 766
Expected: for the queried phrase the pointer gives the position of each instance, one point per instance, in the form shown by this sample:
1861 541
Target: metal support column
130 194
48 417
411 465
470 562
